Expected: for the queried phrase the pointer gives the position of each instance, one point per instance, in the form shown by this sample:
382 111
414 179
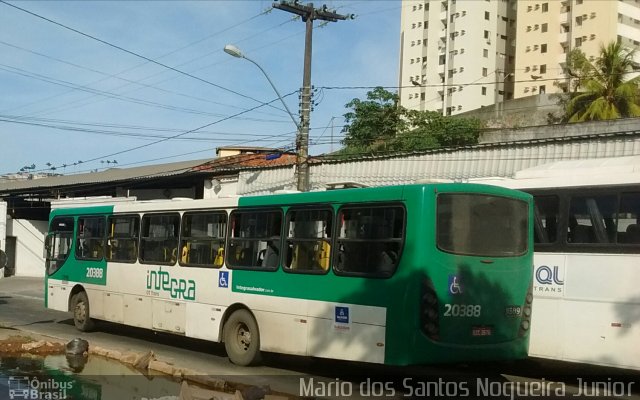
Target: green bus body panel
505 281
492 285
74 270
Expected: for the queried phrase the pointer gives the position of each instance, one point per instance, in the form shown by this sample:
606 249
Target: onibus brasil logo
23 387
178 288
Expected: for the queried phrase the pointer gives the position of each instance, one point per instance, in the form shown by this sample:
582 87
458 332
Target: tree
373 121
444 131
605 93
379 124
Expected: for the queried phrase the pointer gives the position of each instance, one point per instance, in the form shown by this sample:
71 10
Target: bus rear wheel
242 339
81 315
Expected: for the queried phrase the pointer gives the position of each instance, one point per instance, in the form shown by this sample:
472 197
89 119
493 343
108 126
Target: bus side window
251 234
202 238
628 218
370 240
588 219
159 238
546 216
90 238
122 238
308 240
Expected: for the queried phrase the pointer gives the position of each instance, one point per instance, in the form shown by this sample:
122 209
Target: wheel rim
80 313
242 337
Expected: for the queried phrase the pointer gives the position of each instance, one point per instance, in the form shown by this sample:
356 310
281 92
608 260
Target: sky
90 85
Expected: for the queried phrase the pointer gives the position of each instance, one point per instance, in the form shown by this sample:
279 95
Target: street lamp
301 145
234 51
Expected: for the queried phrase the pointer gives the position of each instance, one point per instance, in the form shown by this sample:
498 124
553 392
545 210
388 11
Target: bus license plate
481 331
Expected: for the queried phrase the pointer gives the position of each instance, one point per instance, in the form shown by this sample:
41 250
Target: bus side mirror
3 259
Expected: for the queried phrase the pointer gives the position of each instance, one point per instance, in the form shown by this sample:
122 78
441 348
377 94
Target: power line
164 139
33 75
136 54
144 63
131 135
105 74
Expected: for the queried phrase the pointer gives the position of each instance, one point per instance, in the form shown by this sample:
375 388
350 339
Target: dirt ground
19 344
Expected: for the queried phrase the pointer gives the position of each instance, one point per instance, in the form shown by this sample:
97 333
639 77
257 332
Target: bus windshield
481 225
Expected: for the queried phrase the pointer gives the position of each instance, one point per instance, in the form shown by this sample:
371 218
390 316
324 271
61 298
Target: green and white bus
397 275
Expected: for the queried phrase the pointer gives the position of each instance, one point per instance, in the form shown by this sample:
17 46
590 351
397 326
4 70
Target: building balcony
564 37
562 59
564 17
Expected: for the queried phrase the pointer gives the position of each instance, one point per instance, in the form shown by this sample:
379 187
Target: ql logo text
547 275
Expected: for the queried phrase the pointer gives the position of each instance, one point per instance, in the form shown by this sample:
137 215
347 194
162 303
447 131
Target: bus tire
81 314
242 338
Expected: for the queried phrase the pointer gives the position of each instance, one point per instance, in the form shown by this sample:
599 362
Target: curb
195 385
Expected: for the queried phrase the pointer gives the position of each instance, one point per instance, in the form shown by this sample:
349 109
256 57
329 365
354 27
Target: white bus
587 259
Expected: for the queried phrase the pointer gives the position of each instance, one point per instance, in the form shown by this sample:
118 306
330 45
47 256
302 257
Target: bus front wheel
241 338
81 316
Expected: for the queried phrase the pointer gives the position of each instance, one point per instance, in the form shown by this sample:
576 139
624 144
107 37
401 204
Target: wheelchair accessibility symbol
455 287
223 279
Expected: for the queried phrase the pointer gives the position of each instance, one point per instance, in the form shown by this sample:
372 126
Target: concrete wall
220 187
526 111
30 242
561 131
3 228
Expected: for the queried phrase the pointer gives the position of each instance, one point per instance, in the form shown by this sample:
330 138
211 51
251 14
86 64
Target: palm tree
606 94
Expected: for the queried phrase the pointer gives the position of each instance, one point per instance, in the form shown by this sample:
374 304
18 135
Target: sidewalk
22 286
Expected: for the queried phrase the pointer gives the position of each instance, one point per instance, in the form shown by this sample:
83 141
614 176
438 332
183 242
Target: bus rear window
482 225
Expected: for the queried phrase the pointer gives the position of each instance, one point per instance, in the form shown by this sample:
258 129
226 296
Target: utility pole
308 15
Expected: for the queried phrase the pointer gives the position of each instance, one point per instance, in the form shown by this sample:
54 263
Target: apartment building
547 31
456 55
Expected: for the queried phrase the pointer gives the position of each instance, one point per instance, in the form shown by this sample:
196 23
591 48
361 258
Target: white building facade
456 55
547 31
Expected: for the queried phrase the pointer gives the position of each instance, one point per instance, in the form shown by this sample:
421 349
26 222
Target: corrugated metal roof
248 161
490 160
108 176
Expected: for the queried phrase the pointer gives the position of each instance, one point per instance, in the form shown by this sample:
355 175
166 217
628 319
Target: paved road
21 308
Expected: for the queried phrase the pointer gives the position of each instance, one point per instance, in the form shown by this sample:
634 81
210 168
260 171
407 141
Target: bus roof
574 173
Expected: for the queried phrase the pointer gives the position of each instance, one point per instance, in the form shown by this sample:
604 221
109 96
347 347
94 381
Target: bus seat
184 256
271 256
322 255
386 261
581 234
219 257
170 255
243 256
633 233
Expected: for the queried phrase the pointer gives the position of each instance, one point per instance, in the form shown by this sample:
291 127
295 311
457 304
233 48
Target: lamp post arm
276 90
